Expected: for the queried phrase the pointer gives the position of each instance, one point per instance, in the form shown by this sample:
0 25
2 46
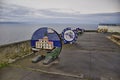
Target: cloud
14 13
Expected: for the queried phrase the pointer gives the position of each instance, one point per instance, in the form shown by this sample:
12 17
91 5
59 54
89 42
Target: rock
11 60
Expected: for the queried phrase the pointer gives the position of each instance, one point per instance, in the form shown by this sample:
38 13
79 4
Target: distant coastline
12 22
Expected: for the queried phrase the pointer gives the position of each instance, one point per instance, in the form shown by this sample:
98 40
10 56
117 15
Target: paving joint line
47 72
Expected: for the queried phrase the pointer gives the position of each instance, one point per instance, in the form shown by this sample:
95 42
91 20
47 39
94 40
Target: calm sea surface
10 33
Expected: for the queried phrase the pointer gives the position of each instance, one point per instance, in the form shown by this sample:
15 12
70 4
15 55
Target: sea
16 32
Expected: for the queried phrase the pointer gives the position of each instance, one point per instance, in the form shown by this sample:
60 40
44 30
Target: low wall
15 50
90 30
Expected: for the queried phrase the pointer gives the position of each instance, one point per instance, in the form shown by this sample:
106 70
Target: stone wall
14 50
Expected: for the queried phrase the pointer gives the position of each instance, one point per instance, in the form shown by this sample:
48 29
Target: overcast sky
80 6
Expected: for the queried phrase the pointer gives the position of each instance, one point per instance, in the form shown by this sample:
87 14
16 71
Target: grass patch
3 64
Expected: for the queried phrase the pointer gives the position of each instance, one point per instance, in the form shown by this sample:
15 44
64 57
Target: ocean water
10 33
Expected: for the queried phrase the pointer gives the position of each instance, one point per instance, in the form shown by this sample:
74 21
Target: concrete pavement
92 57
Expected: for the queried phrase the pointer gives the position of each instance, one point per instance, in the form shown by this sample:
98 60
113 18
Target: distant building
44 43
109 28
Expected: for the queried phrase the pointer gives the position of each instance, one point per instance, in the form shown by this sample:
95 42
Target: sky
80 6
60 11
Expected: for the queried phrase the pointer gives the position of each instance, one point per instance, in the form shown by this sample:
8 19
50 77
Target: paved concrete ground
93 56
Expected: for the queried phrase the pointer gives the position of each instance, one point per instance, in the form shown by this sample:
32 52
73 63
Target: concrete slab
93 56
